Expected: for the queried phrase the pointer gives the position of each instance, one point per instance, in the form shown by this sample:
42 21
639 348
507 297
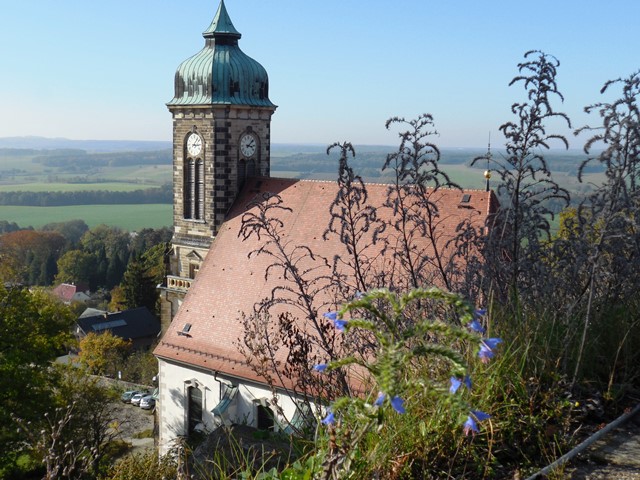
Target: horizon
337 71
5 140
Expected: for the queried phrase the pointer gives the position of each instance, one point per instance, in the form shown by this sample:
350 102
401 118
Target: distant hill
43 143
310 158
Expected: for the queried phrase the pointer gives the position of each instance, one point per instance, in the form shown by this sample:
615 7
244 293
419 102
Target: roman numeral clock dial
194 144
248 145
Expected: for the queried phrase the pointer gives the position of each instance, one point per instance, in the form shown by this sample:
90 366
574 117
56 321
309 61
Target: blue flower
340 324
457 383
329 419
481 312
485 354
492 343
359 295
476 326
486 348
480 415
320 367
398 404
470 426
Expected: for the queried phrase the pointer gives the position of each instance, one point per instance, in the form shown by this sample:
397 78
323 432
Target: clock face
194 144
248 145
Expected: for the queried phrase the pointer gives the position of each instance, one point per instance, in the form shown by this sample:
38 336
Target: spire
487 172
221 26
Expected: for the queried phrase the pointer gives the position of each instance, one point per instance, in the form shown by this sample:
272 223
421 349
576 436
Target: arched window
195 408
199 191
242 173
189 187
264 418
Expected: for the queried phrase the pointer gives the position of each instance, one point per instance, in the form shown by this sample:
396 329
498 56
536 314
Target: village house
221 136
137 325
68 293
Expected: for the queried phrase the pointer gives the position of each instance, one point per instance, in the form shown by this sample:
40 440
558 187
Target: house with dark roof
224 275
137 325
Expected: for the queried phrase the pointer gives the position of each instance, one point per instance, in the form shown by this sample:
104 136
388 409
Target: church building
219 272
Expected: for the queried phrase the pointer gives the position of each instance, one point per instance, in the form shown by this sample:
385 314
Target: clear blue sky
337 68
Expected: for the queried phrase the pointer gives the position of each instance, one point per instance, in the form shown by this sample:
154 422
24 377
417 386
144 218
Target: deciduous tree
103 353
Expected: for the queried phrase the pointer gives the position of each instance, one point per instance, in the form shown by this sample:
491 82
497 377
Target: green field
127 217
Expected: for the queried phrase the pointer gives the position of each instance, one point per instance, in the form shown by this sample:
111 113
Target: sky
338 69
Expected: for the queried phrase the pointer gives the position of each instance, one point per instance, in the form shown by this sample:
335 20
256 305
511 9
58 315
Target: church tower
221 135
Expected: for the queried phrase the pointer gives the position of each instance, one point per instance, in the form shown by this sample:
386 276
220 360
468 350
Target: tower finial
487 172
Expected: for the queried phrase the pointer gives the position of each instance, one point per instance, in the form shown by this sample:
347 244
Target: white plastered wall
175 379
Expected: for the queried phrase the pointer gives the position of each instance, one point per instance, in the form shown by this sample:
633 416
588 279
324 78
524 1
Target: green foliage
140 367
148 466
409 371
77 267
33 330
139 286
103 353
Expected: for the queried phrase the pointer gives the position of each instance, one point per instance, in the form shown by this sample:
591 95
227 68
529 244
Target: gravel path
133 420
616 456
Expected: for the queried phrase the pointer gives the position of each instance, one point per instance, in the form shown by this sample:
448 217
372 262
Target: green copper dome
221 74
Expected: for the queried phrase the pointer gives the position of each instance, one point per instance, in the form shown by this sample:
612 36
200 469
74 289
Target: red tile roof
230 281
66 291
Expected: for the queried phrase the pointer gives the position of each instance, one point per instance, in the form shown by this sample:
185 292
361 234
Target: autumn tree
71 230
33 254
103 353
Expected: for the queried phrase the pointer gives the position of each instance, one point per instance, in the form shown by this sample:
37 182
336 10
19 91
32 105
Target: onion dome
221 74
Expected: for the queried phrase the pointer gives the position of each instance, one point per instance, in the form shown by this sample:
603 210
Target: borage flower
339 323
396 402
320 367
487 346
329 419
456 383
492 343
470 426
485 354
476 326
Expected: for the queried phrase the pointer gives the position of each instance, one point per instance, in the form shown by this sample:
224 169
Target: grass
144 434
127 217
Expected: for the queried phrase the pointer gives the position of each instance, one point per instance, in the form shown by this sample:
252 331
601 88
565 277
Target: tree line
163 194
